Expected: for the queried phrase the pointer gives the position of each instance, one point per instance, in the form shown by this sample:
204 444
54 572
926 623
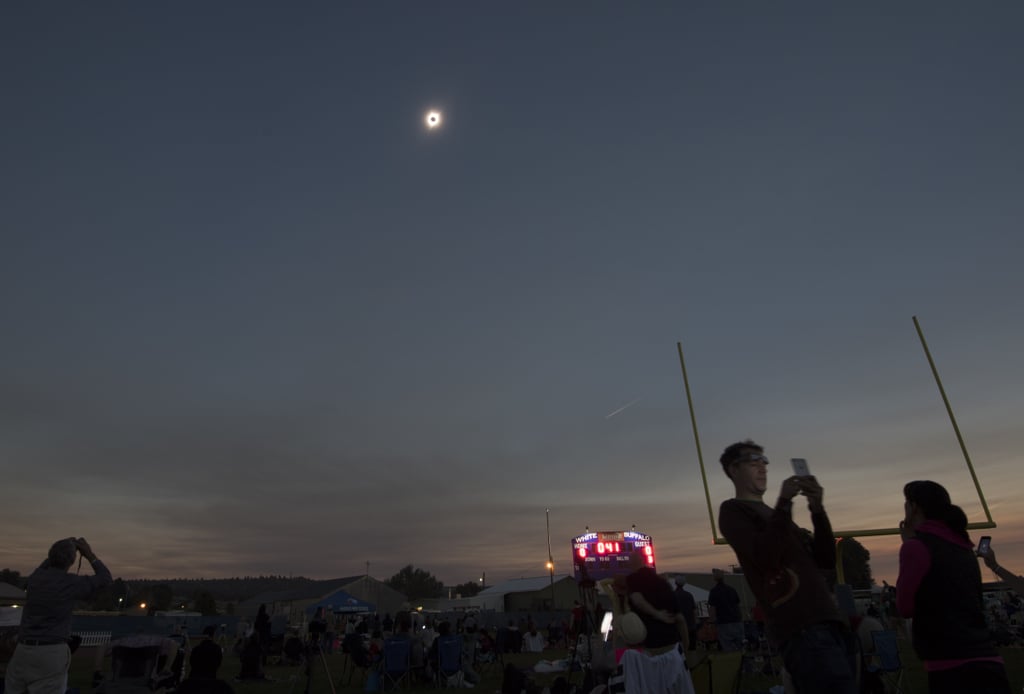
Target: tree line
208 595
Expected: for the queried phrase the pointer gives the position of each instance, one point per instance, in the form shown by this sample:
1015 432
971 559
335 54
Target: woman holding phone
1012 580
939 586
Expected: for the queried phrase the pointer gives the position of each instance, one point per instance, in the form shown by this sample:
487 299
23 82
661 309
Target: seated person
427 634
292 651
355 648
434 669
485 647
469 645
444 628
133 660
512 638
403 631
202 676
533 640
554 633
376 648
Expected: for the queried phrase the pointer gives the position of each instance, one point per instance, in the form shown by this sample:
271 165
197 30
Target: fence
94 638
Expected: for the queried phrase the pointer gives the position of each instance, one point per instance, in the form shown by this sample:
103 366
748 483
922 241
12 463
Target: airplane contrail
626 406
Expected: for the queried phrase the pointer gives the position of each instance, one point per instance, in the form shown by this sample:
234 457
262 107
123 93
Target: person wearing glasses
786 568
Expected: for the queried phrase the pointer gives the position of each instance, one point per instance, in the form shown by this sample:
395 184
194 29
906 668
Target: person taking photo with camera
40 661
786 568
1012 580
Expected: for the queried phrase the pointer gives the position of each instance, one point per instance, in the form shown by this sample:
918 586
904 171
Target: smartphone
800 468
983 545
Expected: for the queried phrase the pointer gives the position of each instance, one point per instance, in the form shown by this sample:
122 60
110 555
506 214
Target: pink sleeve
915 561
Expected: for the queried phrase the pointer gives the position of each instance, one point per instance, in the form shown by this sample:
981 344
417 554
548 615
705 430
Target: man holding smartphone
40 662
785 567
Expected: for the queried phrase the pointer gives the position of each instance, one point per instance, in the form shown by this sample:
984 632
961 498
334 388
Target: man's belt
42 642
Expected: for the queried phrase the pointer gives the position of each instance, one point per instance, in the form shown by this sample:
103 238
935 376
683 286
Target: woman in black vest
939 586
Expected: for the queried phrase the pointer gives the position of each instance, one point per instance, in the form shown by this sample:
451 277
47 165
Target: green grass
292 680
915 679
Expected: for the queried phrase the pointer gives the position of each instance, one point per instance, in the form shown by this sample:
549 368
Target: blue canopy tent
341 602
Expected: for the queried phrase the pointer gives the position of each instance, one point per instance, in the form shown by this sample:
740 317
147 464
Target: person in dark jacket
686 605
204 663
939 586
789 571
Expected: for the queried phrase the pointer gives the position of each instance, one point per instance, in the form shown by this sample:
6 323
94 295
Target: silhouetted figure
202 677
41 659
786 568
686 605
724 610
261 628
939 586
252 660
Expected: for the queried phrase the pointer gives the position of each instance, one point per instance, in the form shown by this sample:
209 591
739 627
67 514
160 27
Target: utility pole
551 560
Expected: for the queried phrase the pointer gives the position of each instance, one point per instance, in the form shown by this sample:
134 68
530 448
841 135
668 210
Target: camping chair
491 660
887 654
501 643
449 660
397 657
131 670
293 652
133 663
668 668
357 657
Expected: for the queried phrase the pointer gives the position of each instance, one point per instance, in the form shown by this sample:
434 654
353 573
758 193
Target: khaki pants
38 669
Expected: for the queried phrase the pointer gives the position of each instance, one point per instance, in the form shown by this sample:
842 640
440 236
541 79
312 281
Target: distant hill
233 589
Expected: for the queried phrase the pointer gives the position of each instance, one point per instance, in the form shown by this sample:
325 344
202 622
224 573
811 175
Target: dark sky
257 319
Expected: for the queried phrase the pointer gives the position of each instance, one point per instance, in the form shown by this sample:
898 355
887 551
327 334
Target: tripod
313 649
583 654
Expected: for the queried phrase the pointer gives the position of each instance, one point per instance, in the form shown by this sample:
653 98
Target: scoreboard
613 553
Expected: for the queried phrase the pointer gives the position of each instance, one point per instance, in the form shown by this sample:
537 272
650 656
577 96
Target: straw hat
632 629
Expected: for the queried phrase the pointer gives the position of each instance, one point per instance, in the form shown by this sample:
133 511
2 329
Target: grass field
723 669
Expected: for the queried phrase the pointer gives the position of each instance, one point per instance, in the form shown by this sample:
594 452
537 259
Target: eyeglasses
754 459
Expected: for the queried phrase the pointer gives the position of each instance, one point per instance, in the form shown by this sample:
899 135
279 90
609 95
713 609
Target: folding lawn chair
449 660
131 670
397 662
490 660
357 657
887 655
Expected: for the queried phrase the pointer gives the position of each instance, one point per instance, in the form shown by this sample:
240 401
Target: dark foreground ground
724 674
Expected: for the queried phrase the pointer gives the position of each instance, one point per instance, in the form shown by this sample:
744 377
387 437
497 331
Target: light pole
551 561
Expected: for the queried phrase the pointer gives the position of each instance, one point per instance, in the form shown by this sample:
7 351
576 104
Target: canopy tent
10 616
11 595
340 601
699 594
